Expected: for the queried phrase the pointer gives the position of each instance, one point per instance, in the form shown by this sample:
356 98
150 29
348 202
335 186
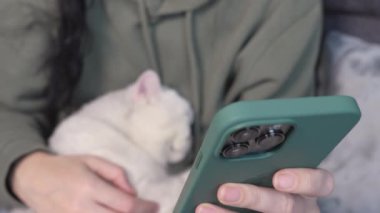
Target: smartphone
248 141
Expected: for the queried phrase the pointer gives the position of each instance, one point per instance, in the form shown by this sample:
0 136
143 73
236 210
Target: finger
118 200
137 206
110 172
143 206
308 182
94 207
209 208
263 199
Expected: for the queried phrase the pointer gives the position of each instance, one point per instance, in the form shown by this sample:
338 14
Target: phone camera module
235 150
271 139
252 140
245 135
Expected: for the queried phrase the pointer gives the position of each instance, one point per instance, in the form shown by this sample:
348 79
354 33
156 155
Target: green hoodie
212 51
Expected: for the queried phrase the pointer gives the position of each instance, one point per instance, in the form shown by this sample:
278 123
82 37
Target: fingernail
205 209
230 194
285 181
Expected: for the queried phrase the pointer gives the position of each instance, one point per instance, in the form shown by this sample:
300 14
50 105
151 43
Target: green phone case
319 124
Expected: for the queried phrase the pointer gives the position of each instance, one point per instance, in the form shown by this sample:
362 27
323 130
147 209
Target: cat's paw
178 152
176 157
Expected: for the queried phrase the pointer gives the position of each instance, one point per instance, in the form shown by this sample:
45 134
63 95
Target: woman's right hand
295 190
53 183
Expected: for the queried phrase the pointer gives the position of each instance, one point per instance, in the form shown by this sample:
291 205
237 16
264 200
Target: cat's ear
147 86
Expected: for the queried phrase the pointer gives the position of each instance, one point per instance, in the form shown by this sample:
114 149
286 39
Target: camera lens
235 150
271 139
245 135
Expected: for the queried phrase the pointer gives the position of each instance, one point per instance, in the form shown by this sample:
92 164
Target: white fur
355 71
142 128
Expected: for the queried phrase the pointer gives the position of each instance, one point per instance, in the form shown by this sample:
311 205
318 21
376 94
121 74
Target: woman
212 52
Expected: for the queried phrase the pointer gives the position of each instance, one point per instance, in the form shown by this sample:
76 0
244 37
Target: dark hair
66 58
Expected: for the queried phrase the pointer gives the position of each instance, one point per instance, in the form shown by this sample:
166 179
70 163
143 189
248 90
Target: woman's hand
52 183
296 191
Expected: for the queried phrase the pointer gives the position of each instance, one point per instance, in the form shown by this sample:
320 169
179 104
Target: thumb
110 172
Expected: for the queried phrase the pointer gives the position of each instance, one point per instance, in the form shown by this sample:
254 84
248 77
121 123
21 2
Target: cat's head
159 119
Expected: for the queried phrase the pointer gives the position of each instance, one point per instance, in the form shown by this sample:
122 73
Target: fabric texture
354 70
358 18
212 52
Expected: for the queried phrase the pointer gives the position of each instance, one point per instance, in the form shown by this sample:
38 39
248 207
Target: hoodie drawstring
195 73
148 37
195 66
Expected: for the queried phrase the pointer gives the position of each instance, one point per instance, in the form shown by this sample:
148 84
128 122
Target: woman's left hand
295 191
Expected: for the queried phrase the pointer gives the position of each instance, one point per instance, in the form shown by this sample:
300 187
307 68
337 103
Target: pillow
354 70
369 7
356 17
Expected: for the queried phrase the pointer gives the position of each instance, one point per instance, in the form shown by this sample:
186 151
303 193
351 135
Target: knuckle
329 184
254 199
321 183
321 174
289 203
309 182
315 183
250 197
130 207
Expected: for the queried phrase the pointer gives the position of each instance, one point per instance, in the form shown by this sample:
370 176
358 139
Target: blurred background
350 65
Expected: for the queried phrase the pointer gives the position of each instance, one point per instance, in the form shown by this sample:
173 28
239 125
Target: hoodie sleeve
25 30
279 59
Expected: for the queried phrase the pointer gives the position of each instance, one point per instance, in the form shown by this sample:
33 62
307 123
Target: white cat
142 128
355 163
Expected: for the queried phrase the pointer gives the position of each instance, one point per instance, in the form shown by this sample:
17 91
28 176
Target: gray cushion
360 18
